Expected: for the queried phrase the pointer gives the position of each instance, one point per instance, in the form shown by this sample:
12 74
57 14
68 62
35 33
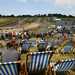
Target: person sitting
10 55
42 44
25 45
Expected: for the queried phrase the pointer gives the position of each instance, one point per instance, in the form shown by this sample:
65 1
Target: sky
32 7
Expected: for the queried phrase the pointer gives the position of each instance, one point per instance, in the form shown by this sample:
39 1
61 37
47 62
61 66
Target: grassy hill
7 21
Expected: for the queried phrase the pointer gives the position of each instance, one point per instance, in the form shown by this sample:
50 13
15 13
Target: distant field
7 21
36 24
44 23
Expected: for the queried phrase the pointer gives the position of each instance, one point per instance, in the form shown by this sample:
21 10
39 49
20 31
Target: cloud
65 2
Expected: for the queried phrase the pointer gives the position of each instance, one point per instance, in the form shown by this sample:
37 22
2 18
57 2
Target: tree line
40 15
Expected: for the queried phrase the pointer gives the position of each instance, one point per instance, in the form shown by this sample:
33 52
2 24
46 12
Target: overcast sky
17 7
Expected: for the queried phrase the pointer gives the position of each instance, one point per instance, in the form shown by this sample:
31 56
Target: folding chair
67 49
9 68
37 62
63 67
0 56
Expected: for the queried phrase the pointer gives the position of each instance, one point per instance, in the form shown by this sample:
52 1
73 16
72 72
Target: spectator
10 55
42 44
25 45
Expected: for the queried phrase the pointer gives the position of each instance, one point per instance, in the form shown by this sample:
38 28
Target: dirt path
32 26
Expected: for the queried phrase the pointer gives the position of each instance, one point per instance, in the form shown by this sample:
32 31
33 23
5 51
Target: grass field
7 21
